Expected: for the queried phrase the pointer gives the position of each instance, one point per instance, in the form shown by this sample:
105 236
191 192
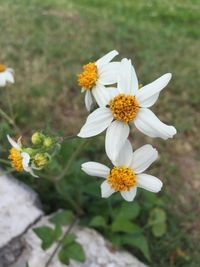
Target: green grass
46 42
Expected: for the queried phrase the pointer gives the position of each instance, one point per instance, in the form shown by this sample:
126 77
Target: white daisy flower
96 75
125 105
127 173
6 75
20 160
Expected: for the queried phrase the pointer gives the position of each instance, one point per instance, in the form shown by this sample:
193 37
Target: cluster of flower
34 157
114 88
122 103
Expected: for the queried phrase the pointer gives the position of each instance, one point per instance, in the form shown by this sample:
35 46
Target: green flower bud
48 142
37 138
29 150
40 160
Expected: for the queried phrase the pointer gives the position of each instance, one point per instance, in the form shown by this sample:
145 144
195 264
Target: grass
46 42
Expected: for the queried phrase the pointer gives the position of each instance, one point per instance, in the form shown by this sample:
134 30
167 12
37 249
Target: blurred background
47 42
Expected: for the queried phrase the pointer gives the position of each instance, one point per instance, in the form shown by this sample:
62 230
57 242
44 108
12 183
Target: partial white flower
127 105
6 75
127 174
20 160
96 75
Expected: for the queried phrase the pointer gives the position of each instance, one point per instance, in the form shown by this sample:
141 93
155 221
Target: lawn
48 41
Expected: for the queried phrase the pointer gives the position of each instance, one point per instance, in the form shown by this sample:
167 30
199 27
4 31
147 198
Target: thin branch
60 241
70 161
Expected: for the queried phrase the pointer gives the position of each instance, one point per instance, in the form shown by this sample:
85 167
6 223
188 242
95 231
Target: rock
98 251
20 213
19 208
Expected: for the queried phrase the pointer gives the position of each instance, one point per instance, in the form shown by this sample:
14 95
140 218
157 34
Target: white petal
124 156
129 195
13 143
125 79
148 94
10 70
103 94
147 122
116 135
150 101
106 190
25 163
134 81
109 73
88 100
143 158
95 169
29 169
106 59
25 160
96 122
9 77
149 182
19 142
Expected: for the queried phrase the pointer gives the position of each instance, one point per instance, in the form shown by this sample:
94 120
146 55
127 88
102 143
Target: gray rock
98 251
18 210
20 213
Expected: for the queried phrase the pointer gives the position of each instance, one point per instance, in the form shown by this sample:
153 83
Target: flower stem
9 120
71 160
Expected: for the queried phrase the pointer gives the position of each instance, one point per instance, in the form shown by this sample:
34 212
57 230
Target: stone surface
99 252
18 210
20 213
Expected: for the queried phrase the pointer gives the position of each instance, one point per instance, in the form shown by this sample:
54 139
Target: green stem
61 241
6 116
12 116
63 138
110 208
71 160
71 201
9 120
5 161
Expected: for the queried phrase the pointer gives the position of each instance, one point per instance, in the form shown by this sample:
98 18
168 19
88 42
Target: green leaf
115 239
125 226
129 210
98 221
48 235
139 242
63 256
64 217
68 239
159 229
57 232
157 216
72 251
151 200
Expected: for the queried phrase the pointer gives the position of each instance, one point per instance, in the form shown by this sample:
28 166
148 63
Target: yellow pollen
121 178
2 67
87 79
16 159
124 107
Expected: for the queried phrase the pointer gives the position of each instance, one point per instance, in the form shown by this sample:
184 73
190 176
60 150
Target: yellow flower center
2 67
16 159
121 178
87 79
124 107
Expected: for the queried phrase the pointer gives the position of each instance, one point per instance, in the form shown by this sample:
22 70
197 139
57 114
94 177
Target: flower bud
40 160
29 150
48 142
37 138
